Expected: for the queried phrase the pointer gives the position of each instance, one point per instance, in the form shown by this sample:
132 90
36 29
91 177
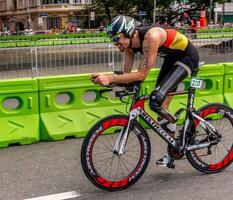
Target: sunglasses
116 38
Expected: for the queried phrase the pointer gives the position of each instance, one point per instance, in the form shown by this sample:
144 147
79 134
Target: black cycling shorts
189 59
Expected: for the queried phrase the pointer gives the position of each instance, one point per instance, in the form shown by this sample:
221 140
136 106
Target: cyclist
181 59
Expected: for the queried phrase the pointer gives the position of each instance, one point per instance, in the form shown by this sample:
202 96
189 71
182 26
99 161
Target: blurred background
55 37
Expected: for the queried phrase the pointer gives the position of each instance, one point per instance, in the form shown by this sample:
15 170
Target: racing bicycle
116 151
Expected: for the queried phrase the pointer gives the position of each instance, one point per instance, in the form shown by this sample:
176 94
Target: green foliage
132 7
204 3
48 36
215 30
125 7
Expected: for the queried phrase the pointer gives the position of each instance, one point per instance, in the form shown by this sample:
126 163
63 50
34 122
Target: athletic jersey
175 44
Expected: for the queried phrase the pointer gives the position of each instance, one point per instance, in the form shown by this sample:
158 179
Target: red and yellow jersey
175 44
175 40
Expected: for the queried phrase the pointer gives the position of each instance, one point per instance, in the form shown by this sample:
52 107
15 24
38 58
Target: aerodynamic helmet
122 24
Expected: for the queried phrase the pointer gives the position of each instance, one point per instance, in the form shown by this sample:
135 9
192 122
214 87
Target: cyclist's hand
93 77
100 79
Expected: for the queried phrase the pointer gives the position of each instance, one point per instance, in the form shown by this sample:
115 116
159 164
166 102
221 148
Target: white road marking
60 196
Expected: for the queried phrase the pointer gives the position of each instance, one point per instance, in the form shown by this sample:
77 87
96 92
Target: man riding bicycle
181 59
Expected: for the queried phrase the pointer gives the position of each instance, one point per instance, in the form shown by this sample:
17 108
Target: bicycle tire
90 148
221 117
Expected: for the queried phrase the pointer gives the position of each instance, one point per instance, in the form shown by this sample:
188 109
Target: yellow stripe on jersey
180 42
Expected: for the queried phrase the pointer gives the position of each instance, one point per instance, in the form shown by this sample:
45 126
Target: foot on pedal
166 161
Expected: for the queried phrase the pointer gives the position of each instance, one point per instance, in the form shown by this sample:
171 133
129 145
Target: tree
115 7
127 7
110 8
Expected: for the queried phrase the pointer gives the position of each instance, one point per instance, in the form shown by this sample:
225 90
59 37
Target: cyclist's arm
150 48
129 60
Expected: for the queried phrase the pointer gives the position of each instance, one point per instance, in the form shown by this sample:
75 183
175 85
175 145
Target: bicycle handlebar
129 89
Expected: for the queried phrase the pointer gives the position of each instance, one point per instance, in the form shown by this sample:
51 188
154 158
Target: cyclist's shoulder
155 34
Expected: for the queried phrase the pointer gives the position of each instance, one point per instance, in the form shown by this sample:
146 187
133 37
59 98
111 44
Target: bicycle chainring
175 154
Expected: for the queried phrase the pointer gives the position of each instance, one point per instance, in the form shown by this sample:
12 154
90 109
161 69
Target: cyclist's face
121 42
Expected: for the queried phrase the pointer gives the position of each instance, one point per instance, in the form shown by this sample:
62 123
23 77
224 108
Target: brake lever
121 94
103 91
121 99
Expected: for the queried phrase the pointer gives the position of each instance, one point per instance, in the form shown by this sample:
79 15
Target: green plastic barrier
19 117
71 105
213 75
228 84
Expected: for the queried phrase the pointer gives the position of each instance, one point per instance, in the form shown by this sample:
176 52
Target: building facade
18 15
223 12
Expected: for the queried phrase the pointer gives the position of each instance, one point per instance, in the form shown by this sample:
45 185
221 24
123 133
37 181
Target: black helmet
123 24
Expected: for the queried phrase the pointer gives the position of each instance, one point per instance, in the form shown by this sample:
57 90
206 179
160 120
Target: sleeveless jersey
175 43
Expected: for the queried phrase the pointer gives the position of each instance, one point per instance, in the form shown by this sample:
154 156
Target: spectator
72 28
5 30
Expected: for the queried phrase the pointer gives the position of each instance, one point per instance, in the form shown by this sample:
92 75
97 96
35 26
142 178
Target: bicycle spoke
111 166
117 168
130 141
218 153
106 139
103 165
103 148
124 164
225 144
104 159
105 145
127 162
131 156
122 173
212 154
130 148
100 153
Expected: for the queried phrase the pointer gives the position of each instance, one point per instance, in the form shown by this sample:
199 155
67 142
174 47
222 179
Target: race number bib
196 82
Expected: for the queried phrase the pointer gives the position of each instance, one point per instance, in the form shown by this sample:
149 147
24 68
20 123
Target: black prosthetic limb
159 94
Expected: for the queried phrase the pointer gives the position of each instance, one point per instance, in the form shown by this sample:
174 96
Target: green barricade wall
68 106
19 114
80 111
213 75
228 84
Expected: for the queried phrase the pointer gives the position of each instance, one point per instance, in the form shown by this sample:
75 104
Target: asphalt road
48 168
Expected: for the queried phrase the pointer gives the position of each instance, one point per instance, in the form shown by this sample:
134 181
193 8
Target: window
54 1
65 1
82 1
54 22
14 5
78 1
32 3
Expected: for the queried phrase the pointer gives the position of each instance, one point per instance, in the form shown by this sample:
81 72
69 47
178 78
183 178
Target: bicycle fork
119 147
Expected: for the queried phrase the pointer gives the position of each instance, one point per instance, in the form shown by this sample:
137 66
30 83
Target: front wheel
219 156
103 166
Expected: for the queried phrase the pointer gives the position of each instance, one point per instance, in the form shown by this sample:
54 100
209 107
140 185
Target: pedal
171 165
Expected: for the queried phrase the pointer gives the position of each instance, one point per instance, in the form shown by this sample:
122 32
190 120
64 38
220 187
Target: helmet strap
130 43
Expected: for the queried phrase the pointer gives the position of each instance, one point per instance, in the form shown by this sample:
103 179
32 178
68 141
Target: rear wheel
217 157
104 167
